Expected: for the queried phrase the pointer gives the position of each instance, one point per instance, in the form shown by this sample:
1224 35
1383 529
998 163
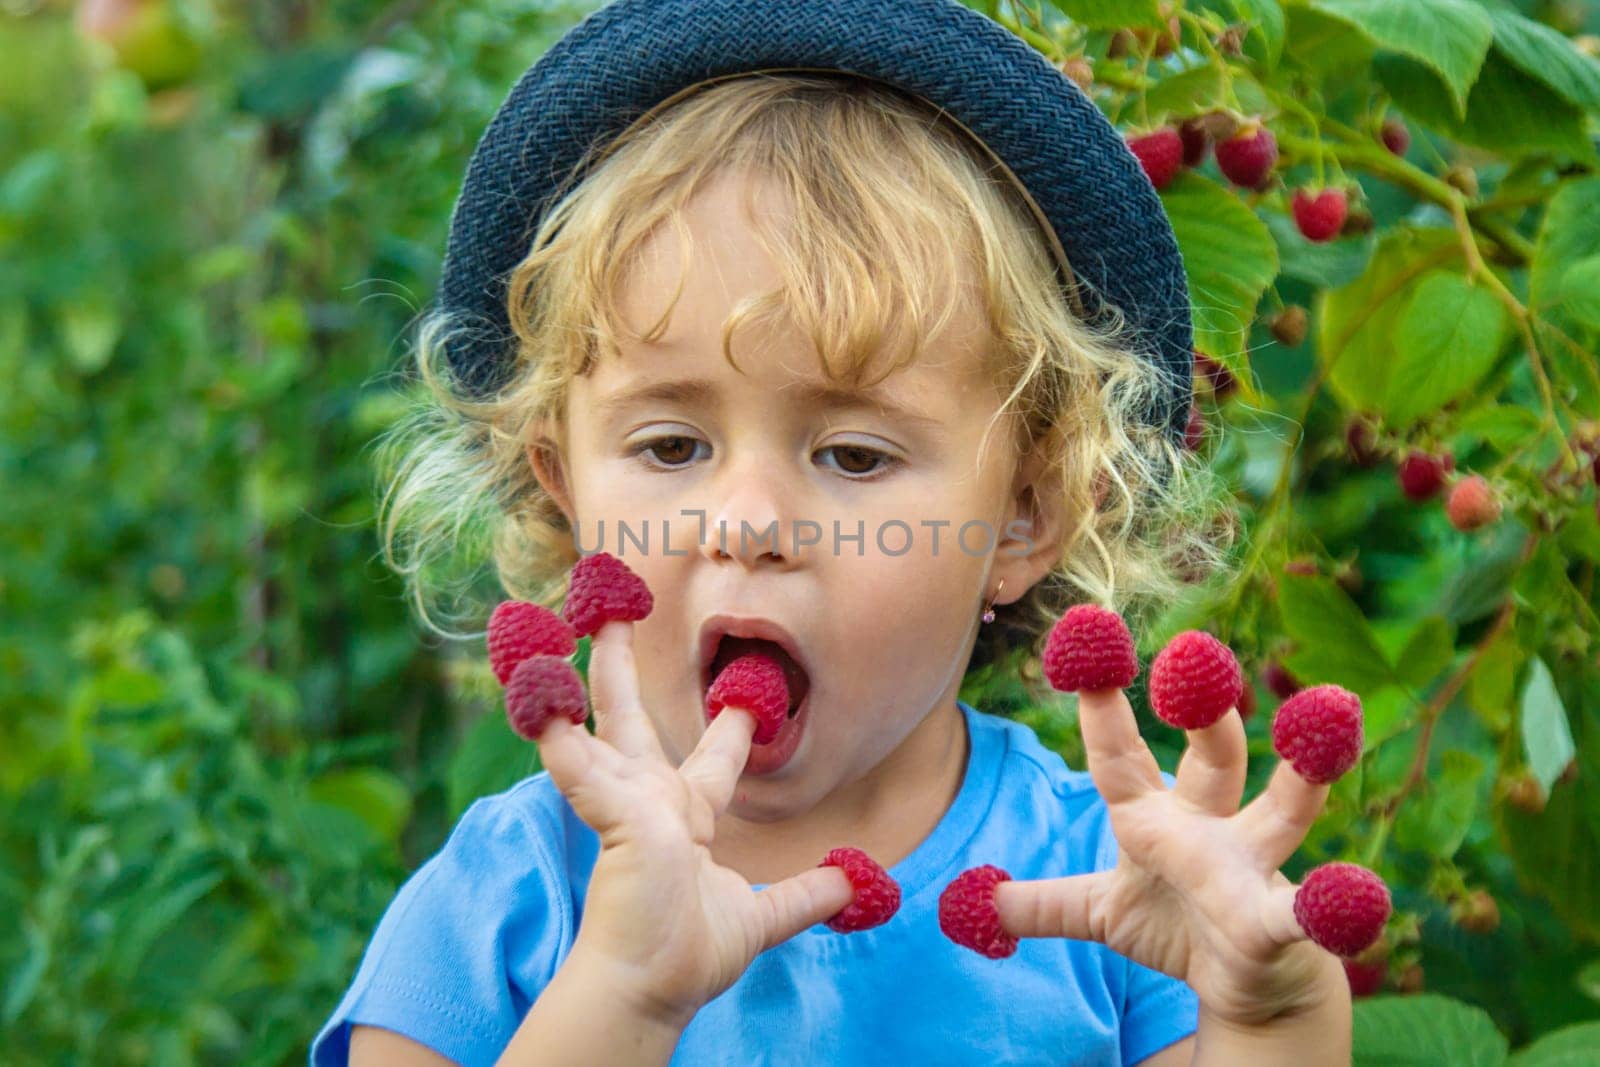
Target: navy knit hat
1097 209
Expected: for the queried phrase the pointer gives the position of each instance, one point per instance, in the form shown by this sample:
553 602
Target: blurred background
224 738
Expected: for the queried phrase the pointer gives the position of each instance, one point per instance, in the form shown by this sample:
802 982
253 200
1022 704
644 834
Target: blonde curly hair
885 193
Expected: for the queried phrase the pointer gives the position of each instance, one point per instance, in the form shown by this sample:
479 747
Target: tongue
732 648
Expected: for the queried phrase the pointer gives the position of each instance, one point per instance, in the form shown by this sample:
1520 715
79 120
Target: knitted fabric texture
630 55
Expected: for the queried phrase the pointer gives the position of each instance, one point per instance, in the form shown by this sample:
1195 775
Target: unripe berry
1472 504
1477 912
1361 440
1524 793
1289 325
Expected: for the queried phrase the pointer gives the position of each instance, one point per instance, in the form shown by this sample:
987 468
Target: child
803 336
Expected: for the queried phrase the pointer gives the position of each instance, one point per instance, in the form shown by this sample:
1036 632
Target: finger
714 767
1277 915
1119 761
1277 821
801 902
1052 907
580 766
1212 770
614 691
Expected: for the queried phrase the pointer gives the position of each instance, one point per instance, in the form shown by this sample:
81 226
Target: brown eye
672 451
860 461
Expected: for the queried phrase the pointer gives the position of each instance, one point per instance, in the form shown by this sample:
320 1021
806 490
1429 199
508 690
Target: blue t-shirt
471 939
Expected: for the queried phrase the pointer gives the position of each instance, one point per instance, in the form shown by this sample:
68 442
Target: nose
749 524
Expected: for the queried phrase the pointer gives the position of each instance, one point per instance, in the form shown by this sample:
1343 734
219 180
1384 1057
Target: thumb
801 902
1052 907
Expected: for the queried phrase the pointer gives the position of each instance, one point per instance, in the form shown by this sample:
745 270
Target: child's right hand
669 926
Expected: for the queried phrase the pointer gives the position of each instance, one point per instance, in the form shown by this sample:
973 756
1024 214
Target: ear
544 456
1028 546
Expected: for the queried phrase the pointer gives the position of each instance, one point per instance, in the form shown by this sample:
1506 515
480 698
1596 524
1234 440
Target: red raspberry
1194 681
541 688
877 895
1220 378
1365 978
754 682
1342 907
1089 648
603 589
1318 730
1472 504
1422 475
1361 438
1195 141
1246 159
968 916
1396 138
1319 217
1247 702
518 629
1278 679
1160 153
1194 431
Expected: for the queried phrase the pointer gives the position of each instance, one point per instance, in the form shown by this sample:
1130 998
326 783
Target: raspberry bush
225 743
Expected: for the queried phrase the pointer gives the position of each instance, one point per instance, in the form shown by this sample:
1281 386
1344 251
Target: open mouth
730 648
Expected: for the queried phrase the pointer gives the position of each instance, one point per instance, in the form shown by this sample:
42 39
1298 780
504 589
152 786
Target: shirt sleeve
1158 1010
465 946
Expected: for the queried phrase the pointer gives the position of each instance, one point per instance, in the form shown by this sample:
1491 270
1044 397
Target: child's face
886 637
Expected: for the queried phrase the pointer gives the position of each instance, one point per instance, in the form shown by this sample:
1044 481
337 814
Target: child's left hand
1196 892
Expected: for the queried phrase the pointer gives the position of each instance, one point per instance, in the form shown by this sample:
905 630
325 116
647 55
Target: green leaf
1546 734
1507 111
1588 980
491 758
1578 292
1567 238
1187 92
1229 257
1571 1046
1544 53
376 797
1437 821
1491 687
1425 1029
1450 36
1330 48
1428 650
1111 14
1334 642
1557 852
1356 324
89 332
1501 426
1445 341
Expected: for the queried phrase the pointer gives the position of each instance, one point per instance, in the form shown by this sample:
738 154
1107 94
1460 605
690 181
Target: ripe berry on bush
1396 137
1247 158
1218 377
1365 978
1289 325
1160 153
1195 141
1279 682
1422 474
1472 504
1319 216
1194 431
1361 441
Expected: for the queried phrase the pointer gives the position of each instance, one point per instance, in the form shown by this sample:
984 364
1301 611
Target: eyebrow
693 390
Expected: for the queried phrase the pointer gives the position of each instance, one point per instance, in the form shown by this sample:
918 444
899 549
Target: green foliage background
224 742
